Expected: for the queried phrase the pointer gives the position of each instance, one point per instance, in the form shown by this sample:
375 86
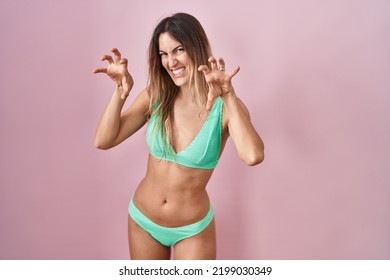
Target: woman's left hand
219 81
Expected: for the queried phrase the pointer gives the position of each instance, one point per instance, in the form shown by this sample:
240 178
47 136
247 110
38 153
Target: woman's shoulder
143 96
144 93
141 102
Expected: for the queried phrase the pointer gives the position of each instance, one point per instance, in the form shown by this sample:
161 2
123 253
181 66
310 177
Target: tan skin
170 194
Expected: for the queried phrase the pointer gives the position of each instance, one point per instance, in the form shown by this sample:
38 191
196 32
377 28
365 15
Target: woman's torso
172 194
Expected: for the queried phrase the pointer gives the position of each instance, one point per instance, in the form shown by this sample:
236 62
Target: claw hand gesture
117 71
219 81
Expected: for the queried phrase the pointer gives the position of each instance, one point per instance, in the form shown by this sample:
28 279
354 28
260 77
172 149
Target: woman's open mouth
178 72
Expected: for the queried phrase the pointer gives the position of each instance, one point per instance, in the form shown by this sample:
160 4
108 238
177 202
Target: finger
123 61
124 81
204 68
213 63
100 70
210 101
126 88
125 93
221 64
117 54
108 58
234 72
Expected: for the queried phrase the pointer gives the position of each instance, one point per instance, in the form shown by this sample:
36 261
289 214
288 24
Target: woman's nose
172 61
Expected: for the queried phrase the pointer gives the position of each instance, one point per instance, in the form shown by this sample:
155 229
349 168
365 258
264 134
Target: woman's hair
188 31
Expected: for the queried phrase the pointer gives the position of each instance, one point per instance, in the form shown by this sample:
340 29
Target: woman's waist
171 206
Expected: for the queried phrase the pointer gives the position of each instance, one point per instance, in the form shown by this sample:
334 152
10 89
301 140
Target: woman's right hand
117 71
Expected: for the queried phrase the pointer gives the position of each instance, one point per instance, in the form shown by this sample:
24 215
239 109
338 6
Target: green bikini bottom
169 236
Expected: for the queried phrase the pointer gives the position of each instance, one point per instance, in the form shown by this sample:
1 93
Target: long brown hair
187 30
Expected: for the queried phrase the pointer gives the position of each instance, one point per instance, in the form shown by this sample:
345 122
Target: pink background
314 74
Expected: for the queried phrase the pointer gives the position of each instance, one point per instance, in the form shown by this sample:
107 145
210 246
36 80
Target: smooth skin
170 194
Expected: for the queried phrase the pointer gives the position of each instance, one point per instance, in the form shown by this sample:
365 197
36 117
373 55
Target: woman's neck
185 95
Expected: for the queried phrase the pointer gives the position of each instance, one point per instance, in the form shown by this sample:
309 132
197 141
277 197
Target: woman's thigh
144 247
198 247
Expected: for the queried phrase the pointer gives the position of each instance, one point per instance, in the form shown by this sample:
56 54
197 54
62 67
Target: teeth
177 72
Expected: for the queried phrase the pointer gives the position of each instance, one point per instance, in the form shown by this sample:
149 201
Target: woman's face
175 59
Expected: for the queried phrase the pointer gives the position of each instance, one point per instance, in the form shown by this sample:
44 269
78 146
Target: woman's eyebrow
179 46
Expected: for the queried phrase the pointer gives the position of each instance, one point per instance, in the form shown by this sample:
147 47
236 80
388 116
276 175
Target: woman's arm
248 143
115 126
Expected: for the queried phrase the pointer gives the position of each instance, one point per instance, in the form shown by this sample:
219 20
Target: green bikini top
202 152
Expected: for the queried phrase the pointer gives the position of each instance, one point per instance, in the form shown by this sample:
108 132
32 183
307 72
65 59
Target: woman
191 108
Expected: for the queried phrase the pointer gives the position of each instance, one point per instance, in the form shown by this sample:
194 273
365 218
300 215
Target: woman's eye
180 50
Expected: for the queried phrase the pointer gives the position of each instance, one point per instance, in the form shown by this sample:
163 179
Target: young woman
191 108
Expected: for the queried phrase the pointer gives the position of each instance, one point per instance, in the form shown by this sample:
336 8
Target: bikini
202 153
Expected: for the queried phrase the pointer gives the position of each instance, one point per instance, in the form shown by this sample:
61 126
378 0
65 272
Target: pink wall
314 74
